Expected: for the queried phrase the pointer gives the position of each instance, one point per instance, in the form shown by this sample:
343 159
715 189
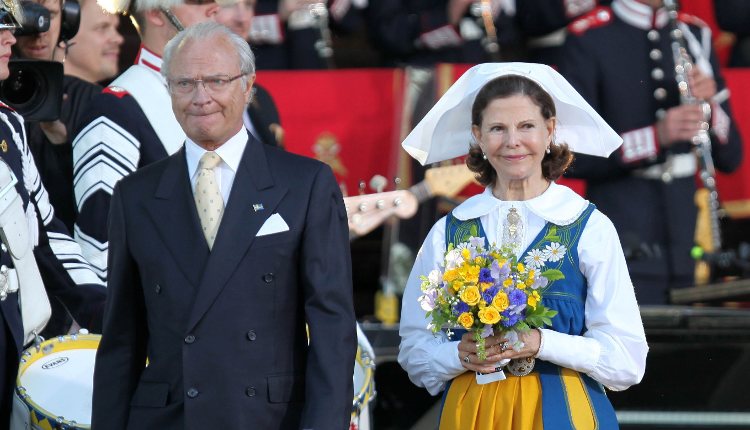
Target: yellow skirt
512 404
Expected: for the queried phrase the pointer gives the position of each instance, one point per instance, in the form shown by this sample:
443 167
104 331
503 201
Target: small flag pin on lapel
257 207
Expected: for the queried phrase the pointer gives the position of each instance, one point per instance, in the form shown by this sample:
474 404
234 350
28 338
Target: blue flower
485 275
516 297
489 294
499 273
460 308
510 318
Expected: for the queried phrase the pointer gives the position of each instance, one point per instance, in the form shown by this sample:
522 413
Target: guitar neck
421 191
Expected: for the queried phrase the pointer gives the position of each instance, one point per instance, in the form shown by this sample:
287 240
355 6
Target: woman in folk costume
525 121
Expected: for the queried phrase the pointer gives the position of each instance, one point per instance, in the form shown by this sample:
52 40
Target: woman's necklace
513 230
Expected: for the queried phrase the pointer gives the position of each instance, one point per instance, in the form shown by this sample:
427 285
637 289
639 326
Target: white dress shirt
230 153
613 348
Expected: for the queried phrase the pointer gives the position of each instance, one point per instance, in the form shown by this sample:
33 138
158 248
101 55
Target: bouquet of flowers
487 291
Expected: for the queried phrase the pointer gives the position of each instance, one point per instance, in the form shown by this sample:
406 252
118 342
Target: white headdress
445 132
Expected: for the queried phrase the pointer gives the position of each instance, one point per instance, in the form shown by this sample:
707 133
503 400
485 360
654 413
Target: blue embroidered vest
568 297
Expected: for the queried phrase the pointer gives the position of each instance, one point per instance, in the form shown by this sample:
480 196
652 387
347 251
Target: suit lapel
173 211
253 184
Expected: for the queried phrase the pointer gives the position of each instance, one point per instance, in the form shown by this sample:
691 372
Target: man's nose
200 94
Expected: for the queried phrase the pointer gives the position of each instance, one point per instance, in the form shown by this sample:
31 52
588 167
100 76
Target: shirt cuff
640 144
266 29
574 352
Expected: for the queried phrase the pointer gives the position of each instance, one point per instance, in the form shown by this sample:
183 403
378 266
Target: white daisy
554 251
535 259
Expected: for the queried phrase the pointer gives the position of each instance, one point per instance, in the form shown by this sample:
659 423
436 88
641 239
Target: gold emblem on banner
327 150
4 146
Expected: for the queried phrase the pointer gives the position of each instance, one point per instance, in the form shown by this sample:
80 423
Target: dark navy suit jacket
224 331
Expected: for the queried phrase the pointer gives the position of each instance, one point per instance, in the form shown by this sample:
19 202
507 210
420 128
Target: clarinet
702 139
324 45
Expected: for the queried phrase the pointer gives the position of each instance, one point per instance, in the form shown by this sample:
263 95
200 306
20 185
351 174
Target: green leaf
552 234
553 274
473 230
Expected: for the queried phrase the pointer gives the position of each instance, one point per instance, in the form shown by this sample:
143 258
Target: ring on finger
466 359
503 346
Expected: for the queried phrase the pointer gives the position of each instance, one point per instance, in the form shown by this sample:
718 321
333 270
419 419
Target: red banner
346 118
351 119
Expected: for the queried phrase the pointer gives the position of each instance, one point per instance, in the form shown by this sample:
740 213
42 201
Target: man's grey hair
206 30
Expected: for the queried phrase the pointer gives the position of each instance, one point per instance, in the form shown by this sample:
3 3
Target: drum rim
62 343
363 396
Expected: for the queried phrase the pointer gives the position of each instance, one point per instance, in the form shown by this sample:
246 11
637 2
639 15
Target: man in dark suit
215 272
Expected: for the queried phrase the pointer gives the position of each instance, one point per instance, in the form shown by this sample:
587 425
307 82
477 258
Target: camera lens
22 86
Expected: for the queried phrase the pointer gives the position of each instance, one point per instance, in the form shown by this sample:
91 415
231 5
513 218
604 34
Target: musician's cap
10 14
445 132
126 7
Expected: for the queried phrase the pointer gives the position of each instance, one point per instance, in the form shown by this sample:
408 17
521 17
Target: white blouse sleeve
613 349
430 360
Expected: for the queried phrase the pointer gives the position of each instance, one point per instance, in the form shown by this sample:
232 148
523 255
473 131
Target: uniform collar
148 58
558 204
640 15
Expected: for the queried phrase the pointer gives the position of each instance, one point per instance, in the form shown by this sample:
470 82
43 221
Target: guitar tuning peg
342 187
378 183
361 186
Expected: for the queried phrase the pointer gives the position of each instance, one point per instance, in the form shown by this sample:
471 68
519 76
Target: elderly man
219 256
128 125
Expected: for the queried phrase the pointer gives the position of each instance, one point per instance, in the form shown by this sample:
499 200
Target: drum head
56 380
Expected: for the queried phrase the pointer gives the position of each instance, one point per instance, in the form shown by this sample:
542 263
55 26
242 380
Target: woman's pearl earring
549 149
484 156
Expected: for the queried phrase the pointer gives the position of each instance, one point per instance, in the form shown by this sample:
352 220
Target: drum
364 384
56 379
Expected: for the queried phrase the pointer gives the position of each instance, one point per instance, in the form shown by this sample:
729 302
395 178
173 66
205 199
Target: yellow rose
470 274
450 275
533 299
500 302
470 295
466 320
465 253
457 284
485 285
489 315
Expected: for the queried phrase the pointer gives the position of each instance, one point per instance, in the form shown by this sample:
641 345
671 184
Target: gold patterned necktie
208 198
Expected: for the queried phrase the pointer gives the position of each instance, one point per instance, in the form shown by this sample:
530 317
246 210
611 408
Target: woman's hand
497 349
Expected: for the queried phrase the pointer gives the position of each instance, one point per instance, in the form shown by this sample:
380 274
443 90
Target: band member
93 54
647 187
32 226
423 33
294 34
130 124
50 141
217 298
261 116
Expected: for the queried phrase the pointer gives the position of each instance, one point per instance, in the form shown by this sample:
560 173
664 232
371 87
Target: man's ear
155 17
249 90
